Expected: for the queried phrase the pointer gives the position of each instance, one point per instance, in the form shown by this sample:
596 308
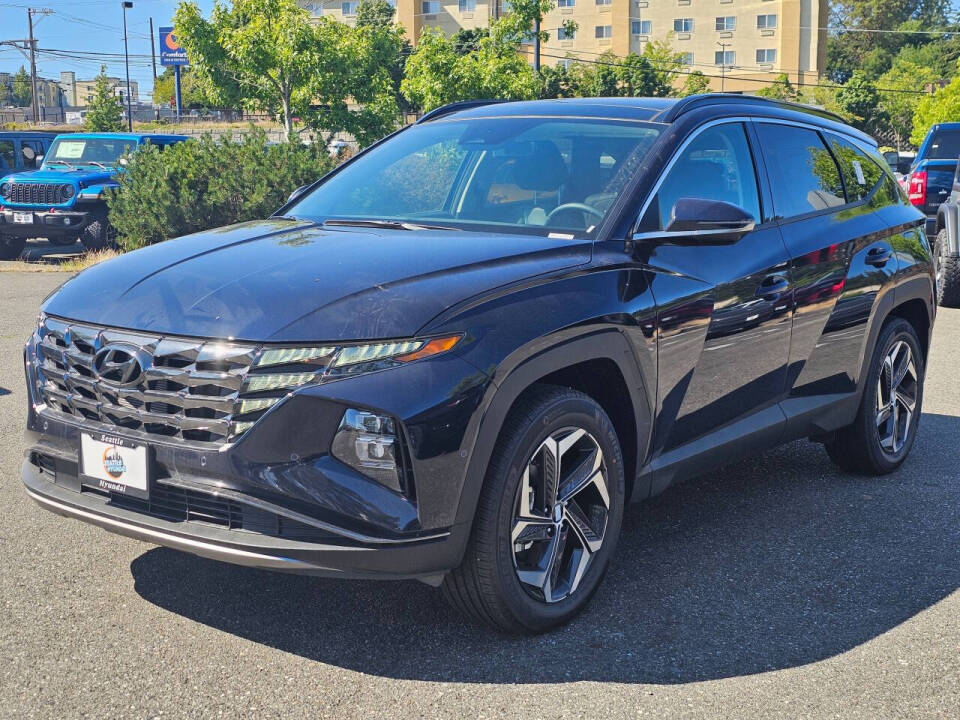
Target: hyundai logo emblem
119 364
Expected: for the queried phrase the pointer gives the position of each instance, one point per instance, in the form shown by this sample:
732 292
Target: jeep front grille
206 391
22 193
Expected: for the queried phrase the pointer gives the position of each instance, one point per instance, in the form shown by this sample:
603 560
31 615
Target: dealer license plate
23 218
115 463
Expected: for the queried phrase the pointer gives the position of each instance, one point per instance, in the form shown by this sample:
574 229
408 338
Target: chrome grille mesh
189 389
36 193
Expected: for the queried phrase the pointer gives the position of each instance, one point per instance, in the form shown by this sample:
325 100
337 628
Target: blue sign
170 51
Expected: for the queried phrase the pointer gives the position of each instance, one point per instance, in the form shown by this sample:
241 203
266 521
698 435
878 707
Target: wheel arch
947 219
621 391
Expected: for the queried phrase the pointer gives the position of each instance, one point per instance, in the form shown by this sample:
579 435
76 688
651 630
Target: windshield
88 151
511 174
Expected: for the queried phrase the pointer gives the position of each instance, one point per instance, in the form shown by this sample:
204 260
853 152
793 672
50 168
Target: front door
724 309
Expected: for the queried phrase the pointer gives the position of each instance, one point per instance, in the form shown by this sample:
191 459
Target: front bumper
46 223
420 560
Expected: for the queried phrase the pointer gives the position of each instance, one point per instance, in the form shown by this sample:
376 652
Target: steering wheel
583 207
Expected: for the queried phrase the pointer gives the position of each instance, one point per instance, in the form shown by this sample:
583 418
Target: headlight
66 192
368 443
371 356
4 189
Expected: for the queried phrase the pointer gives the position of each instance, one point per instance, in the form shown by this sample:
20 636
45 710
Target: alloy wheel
897 388
560 516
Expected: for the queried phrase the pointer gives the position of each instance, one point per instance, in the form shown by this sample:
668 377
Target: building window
686 58
766 22
603 2
728 22
565 63
564 34
684 25
468 6
721 57
641 27
767 56
430 7
603 32
566 3
348 8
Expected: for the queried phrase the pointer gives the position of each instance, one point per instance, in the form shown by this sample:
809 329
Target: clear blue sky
91 27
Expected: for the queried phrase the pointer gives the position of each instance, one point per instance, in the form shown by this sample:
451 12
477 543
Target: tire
98 235
948 274
61 240
487 586
11 247
865 446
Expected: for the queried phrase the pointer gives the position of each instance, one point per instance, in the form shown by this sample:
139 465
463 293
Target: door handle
772 287
878 256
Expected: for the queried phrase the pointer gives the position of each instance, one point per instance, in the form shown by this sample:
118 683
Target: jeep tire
948 273
99 234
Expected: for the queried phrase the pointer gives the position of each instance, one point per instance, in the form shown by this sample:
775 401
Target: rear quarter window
944 145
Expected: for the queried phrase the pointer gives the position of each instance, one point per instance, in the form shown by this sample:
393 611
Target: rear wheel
548 517
11 247
881 437
948 273
99 234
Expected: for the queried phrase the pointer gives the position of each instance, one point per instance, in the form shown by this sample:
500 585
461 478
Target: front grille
203 391
22 193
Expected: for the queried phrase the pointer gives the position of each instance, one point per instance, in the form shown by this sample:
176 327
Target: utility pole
126 59
536 44
723 63
33 59
153 53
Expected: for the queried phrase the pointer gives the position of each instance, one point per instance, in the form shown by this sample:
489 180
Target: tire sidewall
895 332
566 412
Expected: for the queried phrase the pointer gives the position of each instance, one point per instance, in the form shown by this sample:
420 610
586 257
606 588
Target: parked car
20 150
947 246
932 171
458 355
65 199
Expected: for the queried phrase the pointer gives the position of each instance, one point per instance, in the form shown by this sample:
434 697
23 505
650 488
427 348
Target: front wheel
11 247
61 240
98 235
880 438
548 517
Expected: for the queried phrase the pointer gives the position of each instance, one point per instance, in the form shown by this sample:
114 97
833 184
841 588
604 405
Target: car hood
91 175
286 281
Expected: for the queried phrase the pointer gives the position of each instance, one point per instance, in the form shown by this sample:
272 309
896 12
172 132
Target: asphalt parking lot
778 587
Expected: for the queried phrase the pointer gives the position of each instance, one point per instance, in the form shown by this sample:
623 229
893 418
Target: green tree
192 89
554 82
104 113
942 106
780 89
272 58
695 84
666 63
5 94
858 101
909 80
600 78
22 88
437 73
374 13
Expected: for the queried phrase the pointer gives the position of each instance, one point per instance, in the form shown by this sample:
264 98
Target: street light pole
723 64
126 59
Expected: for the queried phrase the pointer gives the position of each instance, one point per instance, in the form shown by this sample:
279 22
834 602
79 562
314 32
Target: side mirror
297 193
39 161
706 221
893 159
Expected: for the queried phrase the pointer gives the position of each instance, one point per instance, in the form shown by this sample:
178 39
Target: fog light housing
369 444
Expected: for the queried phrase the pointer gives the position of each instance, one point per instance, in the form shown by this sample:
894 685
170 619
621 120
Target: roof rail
454 107
693 102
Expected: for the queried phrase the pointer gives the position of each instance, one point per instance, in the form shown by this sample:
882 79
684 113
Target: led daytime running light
367 353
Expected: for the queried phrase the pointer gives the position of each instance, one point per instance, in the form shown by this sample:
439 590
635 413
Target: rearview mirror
709 220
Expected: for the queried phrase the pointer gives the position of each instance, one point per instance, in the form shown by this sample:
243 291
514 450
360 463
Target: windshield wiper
94 162
60 162
388 224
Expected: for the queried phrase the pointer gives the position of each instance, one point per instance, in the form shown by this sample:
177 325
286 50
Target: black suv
459 355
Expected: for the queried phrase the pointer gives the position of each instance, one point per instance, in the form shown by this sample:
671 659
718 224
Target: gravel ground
778 587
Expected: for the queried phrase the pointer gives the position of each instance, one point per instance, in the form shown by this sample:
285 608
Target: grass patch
70 265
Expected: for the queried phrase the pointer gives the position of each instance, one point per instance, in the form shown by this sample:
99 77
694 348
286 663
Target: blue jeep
65 199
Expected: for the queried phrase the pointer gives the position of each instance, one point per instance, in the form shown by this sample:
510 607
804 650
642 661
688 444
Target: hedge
206 183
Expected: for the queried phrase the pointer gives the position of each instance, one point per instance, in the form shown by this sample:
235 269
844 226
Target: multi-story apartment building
739 44
48 91
79 93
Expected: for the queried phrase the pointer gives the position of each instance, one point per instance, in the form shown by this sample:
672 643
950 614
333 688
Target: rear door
840 261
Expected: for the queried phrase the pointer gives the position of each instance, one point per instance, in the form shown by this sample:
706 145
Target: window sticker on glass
71 149
858 169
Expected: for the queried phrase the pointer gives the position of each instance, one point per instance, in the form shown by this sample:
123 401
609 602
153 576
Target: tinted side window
803 174
716 165
8 158
29 150
945 145
860 173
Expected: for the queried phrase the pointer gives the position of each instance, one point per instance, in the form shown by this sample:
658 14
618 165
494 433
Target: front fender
947 219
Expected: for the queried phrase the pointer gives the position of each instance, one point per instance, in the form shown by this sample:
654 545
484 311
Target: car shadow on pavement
773 562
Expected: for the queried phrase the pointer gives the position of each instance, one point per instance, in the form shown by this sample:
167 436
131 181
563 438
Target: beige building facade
80 93
740 45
